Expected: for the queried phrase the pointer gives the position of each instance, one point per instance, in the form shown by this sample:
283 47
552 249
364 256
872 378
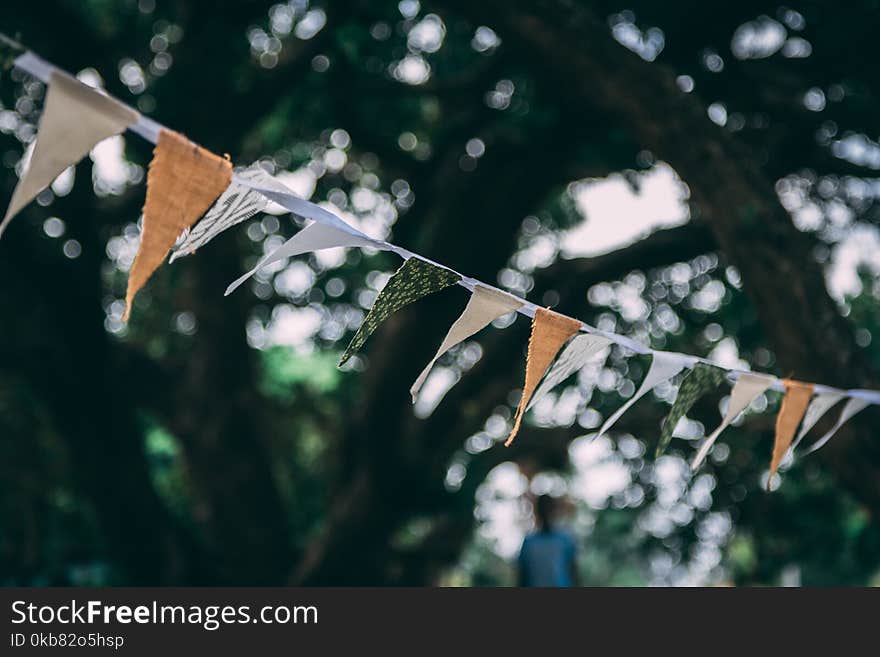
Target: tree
187 448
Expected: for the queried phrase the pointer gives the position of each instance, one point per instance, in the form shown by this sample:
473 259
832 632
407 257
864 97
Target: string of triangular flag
193 195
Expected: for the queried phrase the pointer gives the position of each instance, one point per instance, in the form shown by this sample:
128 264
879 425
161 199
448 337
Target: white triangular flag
235 205
820 405
747 388
664 366
485 306
853 406
75 118
577 352
313 237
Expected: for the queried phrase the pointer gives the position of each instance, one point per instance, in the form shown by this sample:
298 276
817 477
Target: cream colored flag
485 306
853 406
747 388
664 366
75 118
821 404
183 181
313 237
575 355
549 332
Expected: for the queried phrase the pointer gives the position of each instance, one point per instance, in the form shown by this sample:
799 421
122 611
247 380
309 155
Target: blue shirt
547 558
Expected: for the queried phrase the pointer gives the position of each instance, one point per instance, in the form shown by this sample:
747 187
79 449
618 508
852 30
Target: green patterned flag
414 280
699 381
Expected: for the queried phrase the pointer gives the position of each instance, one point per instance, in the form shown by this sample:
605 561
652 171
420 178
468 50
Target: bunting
313 237
699 381
821 404
484 307
664 366
414 280
75 119
852 407
745 391
549 332
576 354
794 405
183 181
238 203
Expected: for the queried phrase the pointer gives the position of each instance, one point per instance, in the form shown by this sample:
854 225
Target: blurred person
548 556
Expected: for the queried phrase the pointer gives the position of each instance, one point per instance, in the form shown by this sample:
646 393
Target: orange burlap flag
549 332
794 405
183 181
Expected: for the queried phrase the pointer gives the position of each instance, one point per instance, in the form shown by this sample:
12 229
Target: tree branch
572 278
